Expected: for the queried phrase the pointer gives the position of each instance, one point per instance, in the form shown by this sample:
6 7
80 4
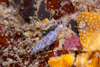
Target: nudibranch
47 41
89 30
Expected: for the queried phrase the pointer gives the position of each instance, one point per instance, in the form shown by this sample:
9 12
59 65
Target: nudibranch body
47 41
89 30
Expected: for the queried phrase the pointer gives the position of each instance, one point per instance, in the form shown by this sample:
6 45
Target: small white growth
95 20
82 37
82 16
81 19
87 28
89 20
83 34
80 33
85 20
95 23
91 14
91 29
80 30
94 26
88 23
91 26
97 28
84 31
86 17
87 33
94 16
83 44
84 40
90 17
92 23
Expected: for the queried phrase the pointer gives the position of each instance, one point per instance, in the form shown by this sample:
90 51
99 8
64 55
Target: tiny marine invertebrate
66 60
45 20
89 30
47 41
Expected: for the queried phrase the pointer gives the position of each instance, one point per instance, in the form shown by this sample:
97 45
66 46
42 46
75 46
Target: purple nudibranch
47 41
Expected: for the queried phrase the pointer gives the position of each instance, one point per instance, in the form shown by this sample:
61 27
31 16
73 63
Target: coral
88 60
89 30
64 61
95 62
82 60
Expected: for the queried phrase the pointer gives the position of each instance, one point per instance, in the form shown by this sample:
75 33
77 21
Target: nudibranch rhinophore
89 30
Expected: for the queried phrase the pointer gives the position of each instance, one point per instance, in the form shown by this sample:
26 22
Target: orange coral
95 62
87 60
89 30
64 61
82 60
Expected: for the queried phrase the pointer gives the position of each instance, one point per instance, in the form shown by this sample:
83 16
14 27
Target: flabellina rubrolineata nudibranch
47 41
